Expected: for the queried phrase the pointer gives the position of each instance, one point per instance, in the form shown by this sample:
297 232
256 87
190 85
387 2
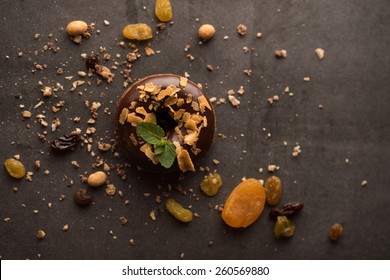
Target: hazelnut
76 27
206 32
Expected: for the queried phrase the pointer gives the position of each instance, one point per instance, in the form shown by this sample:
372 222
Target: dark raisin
289 209
65 143
82 197
92 60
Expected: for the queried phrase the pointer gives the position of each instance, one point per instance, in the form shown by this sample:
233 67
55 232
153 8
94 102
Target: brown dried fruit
335 232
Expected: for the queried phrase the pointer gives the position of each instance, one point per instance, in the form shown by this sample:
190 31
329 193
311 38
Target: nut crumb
320 53
41 234
65 227
110 189
152 215
364 183
234 101
272 168
281 53
241 29
122 220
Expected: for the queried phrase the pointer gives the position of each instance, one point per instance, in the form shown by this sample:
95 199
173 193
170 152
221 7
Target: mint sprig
153 134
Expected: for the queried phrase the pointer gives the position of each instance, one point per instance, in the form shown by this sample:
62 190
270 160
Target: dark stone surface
352 83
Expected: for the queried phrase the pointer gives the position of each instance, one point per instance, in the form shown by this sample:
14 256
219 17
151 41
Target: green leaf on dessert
166 153
153 134
150 132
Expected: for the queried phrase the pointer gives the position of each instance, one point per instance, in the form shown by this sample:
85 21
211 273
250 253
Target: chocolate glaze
123 132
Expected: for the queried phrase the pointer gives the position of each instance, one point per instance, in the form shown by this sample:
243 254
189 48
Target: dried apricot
211 184
163 10
273 190
15 168
244 204
137 31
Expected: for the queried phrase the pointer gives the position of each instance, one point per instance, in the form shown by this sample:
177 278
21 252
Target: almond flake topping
183 82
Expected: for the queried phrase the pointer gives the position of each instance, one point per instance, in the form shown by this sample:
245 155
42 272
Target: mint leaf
155 135
166 153
150 132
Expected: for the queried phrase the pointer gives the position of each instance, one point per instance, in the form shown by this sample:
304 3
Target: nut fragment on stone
281 53
76 27
234 101
110 190
41 234
47 91
241 29
97 179
104 72
26 114
320 53
272 167
206 32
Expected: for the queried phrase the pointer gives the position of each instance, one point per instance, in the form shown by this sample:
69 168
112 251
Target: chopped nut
65 227
75 164
122 220
296 151
37 164
281 53
41 234
247 72
110 189
104 72
272 167
106 22
149 51
233 100
81 73
320 53
152 215
26 114
306 79
241 29
47 91
364 183
258 35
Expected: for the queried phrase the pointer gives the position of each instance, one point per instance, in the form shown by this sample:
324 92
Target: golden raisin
335 232
163 10
137 31
211 184
283 227
244 204
15 168
273 190
178 211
